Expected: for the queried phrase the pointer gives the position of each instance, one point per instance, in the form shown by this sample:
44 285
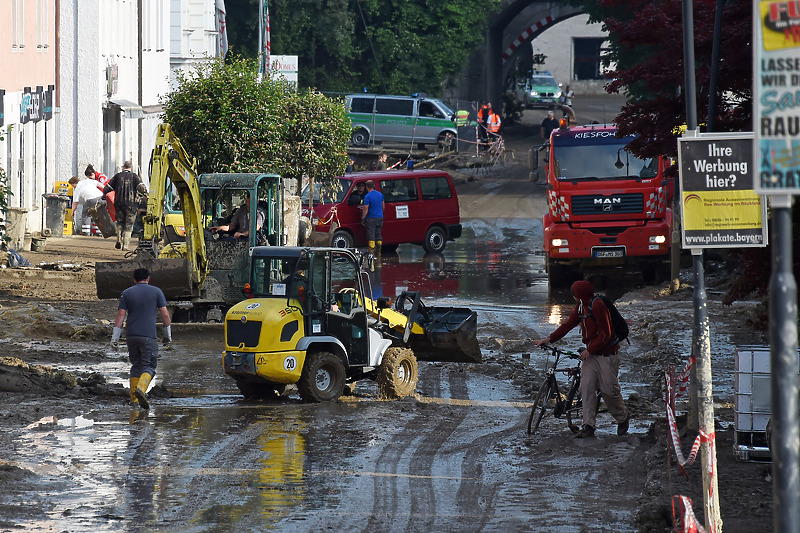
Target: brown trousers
600 373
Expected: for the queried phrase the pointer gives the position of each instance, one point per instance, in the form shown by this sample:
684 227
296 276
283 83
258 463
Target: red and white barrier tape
688 521
331 216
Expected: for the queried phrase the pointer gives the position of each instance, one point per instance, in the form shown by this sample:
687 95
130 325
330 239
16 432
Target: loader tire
398 373
254 391
322 378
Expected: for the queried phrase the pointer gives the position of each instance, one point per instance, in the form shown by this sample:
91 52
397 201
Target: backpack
619 326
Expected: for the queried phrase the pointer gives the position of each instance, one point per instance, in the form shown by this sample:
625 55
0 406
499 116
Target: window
437 188
427 109
588 52
361 105
42 33
18 24
399 190
394 106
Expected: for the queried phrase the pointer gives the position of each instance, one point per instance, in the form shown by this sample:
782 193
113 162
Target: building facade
81 83
27 89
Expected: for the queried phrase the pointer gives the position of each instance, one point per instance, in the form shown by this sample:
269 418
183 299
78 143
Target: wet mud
452 457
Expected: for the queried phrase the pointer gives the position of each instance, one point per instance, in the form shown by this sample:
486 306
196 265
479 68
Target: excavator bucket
172 276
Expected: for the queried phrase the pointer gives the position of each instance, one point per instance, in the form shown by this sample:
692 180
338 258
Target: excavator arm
180 270
171 163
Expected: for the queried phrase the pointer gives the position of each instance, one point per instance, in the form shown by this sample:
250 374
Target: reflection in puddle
281 469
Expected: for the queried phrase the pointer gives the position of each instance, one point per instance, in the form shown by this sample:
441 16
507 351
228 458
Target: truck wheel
359 137
322 378
557 274
435 240
654 274
398 373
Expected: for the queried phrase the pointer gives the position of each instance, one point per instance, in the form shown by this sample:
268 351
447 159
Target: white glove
115 337
167 332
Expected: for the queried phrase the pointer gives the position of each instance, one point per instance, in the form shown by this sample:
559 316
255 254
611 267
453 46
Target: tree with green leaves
231 122
646 47
393 46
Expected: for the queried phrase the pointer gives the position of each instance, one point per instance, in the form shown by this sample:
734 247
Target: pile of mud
38 320
18 376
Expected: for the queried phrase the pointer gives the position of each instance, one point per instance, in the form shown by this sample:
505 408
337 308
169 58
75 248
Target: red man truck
607 209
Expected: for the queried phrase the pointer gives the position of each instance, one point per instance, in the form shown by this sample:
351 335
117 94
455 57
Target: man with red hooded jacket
600 358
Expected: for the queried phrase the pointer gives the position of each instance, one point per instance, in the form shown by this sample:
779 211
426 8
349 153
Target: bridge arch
518 22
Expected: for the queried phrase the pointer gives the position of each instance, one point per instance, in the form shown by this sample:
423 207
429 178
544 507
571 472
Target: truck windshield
601 161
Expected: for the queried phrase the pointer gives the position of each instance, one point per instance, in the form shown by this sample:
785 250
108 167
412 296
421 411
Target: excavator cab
202 276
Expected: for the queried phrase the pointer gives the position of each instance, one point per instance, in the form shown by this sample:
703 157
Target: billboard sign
719 208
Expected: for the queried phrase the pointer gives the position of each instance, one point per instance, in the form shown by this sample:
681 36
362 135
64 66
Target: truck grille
240 334
598 204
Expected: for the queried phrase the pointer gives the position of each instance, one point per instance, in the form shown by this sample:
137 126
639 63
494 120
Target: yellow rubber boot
378 245
134 382
371 246
141 389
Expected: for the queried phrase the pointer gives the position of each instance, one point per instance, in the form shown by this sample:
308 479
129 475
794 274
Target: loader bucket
172 276
450 335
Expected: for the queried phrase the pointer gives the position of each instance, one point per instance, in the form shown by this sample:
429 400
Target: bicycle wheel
574 406
539 406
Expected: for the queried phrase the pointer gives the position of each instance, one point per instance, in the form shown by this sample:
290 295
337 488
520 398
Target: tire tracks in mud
411 458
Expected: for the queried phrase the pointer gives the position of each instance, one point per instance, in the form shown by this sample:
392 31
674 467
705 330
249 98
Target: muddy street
453 457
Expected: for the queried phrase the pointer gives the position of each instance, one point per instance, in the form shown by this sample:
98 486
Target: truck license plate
609 253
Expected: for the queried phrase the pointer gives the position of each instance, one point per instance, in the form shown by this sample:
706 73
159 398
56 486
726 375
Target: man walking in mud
141 302
600 358
126 185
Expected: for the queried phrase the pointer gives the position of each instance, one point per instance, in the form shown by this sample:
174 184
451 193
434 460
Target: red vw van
421 207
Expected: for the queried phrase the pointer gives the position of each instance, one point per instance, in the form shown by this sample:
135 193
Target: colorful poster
719 208
776 95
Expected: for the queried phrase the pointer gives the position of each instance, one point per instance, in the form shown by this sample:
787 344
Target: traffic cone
141 389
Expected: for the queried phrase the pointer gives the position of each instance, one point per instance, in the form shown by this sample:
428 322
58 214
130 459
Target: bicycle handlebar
554 349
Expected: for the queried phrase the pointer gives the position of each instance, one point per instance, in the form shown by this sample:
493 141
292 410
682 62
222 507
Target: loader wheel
253 391
322 378
398 373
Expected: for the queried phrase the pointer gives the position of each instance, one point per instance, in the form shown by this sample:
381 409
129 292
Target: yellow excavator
309 320
203 273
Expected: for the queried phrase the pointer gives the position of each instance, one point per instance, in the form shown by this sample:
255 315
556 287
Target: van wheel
342 239
302 232
322 378
446 141
435 240
359 137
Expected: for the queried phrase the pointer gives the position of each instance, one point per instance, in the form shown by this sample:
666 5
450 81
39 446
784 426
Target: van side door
394 119
402 212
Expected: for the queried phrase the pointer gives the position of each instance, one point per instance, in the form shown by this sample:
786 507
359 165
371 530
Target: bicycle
569 404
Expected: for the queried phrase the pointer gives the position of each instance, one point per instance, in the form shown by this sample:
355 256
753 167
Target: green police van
414 119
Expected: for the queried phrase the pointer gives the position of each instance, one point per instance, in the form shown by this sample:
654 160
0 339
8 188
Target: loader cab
325 284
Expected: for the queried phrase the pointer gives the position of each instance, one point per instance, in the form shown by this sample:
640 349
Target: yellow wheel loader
203 273
309 320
